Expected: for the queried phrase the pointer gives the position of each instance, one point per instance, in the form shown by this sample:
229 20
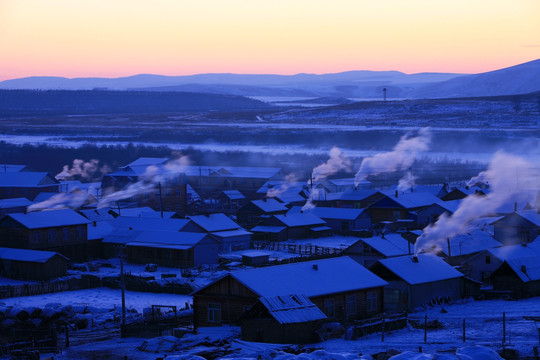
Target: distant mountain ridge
518 79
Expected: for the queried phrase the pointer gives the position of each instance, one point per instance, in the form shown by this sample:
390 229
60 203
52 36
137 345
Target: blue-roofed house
518 276
417 281
400 206
230 235
340 220
17 205
26 184
231 200
517 227
63 231
367 250
340 287
356 199
430 214
283 319
299 225
253 212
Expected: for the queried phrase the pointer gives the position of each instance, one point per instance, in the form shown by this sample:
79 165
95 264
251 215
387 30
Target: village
285 260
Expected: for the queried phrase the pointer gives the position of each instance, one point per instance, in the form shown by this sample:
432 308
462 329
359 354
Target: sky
114 38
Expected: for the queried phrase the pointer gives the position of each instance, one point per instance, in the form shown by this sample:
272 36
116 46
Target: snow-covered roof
149 223
160 246
532 216
428 268
16 202
390 245
516 251
27 255
300 219
231 233
330 213
527 268
97 214
469 243
290 309
169 237
44 196
232 171
121 236
214 222
233 194
268 229
99 229
414 199
312 278
143 212
147 161
26 179
269 205
50 218
352 195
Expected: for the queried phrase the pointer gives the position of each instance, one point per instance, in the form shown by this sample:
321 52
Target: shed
283 319
255 258
32 264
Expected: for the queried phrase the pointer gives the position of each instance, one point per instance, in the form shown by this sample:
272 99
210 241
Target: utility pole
384 95
160 200
123 288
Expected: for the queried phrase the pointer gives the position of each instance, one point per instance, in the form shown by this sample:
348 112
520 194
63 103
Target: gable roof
469 243
97 214
527 268
149 223
147 161
389 245
428 268
411 200
332 276
233 194
49 218
99 230
299 219
16 202
12 168
214 222
331 213
169 238
27 179
290 309
27 255
269 205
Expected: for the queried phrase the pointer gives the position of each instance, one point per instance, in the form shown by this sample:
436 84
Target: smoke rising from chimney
336 162
510 178
148 181
87 170
74 200
400 158
284 186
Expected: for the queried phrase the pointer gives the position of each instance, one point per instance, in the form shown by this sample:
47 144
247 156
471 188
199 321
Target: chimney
448 243
94 223
415 259
264 199
524 269
396 193
515 206
315 267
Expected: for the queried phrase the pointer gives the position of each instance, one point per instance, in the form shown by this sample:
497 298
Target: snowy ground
483 327
100 297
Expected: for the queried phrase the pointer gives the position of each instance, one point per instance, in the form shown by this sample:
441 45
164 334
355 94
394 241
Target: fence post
504 329
425 329
464 325
382 328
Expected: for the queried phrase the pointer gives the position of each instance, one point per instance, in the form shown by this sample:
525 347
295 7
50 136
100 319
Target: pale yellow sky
114 38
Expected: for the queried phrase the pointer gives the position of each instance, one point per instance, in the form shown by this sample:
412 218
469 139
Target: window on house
488 259
50 236
329 308
36 237
396 214
372 301
214 312
350 304
65 233
168 193
177 192
485 276
80 232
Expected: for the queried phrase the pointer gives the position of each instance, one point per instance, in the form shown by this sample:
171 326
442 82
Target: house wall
163 257
429 215
387 214
27 270
478 269
233 243
270 331
340 303
358 253
206 252
512 234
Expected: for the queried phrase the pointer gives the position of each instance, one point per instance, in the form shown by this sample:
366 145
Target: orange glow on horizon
118 38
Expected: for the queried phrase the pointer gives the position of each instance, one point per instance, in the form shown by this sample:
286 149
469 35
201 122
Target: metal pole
382 327
464 325
504 328
160 201
123 288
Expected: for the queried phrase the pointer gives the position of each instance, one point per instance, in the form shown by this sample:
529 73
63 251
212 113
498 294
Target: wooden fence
31 289
300 249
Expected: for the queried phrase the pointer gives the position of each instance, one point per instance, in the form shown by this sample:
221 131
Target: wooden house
253 212
231 200
458 193
355 199
298 225
340 287
172 249
367 250
340 220
26 184
518 227
400 206
285 319
520 277
23 264
430 214
414 281
230 235
63 231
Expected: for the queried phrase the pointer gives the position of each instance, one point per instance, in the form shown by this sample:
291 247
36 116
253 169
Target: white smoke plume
74 200
406 182
148 181
336 162
400 158
284 186
87 170
510 178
